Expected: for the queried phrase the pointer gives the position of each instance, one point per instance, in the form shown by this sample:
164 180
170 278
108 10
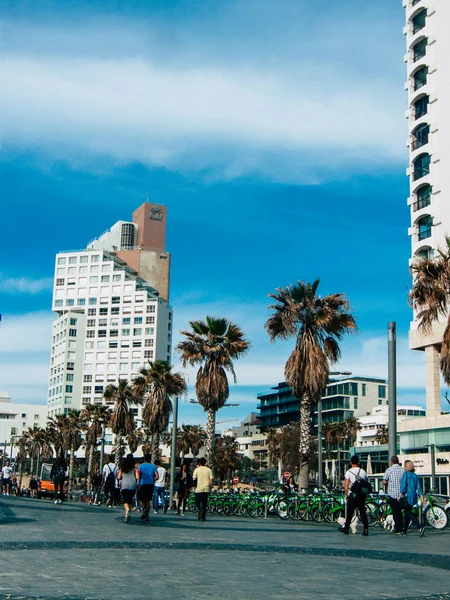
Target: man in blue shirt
147 475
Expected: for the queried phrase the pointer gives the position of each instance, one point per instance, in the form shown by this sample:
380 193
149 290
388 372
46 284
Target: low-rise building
17 418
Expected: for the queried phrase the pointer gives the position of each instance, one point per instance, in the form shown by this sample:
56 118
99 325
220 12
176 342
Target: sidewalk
77 551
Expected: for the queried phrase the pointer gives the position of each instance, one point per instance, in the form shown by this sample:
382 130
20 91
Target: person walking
147 475
58 475
356 499
204 478
109 474
127 476
159 494
6 478
410 490
392 478
96 487
183 481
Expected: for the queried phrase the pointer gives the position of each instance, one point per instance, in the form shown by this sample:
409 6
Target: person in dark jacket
184 482
58 475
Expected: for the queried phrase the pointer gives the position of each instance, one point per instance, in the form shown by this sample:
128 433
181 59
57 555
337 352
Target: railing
419 142
421 172
424 234
422 203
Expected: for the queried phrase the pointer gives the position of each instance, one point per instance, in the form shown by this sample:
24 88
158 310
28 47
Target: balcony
421 172
424 233
422 203
419 142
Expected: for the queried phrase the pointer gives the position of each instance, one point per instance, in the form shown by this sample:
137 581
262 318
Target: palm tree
351 427
31 437
96 417
134 440
317 323
122 420
430 298
21 457
198 436
213 344
226 457
157 384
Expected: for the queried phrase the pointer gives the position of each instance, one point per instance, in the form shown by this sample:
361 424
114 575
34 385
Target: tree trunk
69 483
118 450
155 446
31 466
210 437
90 461
305 441
20 475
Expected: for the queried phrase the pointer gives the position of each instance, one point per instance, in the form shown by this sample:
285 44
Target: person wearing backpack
58 475
356 490
109 481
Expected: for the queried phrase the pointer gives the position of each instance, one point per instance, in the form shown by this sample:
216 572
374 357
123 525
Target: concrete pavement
78 552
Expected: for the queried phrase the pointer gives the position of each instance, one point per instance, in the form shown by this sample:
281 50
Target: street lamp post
174 450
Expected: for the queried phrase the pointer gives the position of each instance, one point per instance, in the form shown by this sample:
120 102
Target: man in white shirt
109 481
355 500
6 478
159 492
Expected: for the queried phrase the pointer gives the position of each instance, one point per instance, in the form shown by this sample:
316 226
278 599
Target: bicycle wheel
256 509
293 511
317 512
372 514
281 508
436 517
332 511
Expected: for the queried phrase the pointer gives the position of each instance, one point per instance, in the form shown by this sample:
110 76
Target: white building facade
110 322
17 418
428 87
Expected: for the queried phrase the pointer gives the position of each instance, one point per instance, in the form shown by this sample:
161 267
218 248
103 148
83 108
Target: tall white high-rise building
428 86
113 314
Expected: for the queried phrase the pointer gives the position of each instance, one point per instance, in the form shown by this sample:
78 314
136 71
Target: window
138 320
414 2
126 332
93 278
424 225
420 49
70 302
419 21
105 278
135 366
87 389
426 253
90 333
102 322
113 344
115 310
149 343
87 378
423 196
95 258
420 136
92 301
137 343
381 391
58 302
151 308
72 333
69 377
116 278
60 282
150 320
115 300
421 166
123 367
103 311
113 332
94 269
81 301
148 354
149 331
83 259
73 321
91 322
380 401
102 333
92 312
69 389
61 260
72 260
137 331
126 321
420 78
98 389
364 388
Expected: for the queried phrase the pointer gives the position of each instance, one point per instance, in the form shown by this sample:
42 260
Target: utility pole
319 442
392 387
433 466
173 454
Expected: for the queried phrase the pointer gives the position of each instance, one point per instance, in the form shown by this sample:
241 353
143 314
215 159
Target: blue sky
274 132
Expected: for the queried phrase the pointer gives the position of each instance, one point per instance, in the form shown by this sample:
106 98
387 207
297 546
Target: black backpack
110 480
361 487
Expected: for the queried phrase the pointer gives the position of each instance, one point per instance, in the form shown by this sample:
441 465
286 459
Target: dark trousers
201 501
396 508
354 503
58 483
410 518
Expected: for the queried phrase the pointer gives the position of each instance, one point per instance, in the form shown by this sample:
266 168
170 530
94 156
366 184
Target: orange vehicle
45 484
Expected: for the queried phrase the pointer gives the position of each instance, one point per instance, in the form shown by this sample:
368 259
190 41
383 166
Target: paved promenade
80 552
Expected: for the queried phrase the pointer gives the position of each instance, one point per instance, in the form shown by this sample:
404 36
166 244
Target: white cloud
24 285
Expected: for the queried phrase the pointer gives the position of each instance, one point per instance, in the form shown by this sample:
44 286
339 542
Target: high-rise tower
113 315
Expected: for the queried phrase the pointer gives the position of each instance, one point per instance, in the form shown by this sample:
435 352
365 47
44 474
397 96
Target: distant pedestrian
183 480
96 486
109 474
58 475
7 478
410 491
159 494
147 475
33 487
290 486
392 478
356 499
127 476
204 478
